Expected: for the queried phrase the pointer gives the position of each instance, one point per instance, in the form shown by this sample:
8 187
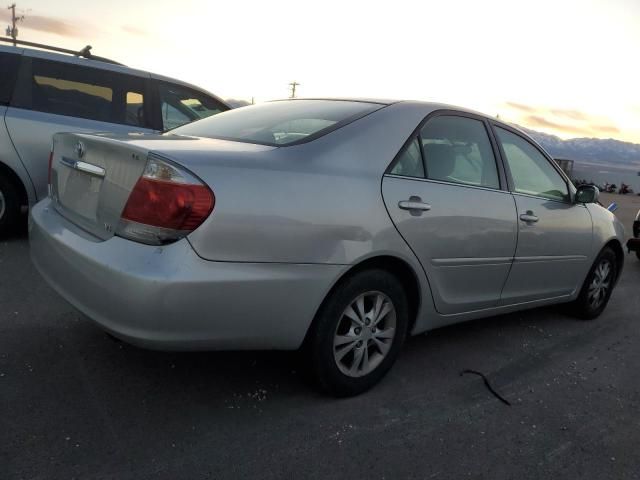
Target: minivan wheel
597 287
9 207
358 333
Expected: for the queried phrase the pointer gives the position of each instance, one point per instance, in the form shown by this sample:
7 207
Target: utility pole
12 30
293 86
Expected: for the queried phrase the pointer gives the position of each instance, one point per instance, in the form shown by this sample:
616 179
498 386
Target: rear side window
8 70
458 150
181 105
83 92
409 163
279 123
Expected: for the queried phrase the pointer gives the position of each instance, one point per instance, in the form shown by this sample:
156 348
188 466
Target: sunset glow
565 67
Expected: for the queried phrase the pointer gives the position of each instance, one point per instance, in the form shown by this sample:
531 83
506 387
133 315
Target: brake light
50 165
166 204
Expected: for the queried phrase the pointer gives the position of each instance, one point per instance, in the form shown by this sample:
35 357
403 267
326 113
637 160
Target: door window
83 92
9 68
181 105
531 172
409 164
458 150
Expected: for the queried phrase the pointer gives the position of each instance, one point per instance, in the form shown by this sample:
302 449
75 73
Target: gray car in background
44 92
338 226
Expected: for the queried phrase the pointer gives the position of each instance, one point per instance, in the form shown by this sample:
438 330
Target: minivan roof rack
84 53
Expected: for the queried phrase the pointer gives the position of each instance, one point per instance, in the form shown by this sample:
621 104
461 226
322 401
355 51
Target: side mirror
587 194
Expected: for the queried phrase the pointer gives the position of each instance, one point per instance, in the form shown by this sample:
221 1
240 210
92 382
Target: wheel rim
3 205
364 334
600 284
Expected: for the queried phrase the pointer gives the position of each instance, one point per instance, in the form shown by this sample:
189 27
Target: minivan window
279 123
83 92
531 172
9 63
180 105
458 150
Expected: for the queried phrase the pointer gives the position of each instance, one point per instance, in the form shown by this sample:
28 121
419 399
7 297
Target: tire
351 352
9 207
638 254
593 300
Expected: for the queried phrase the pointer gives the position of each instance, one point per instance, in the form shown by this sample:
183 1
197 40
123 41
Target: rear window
279 123
8 69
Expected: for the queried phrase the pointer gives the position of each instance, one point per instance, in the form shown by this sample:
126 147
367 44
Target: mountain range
603 151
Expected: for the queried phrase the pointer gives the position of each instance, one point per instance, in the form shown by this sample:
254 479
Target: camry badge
79 149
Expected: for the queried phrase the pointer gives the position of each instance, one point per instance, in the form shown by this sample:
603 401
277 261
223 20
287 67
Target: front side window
279 123
82 92
531 172
181 105
458 150
8 70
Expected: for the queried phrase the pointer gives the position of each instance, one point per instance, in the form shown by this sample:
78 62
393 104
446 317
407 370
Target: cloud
134 30
46 24
520 106
572 114
606 128
536 121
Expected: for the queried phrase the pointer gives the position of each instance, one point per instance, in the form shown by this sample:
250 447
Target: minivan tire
370 285
9 207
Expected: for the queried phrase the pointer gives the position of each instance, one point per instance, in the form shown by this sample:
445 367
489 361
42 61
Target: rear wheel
638 254
9 207
597 287
358 333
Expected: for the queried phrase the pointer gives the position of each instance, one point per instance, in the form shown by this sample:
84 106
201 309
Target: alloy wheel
600 284
364 334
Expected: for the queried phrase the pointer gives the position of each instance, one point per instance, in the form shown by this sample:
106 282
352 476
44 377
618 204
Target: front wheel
597 287
358 333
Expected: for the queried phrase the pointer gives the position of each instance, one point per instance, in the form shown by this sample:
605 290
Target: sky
565 67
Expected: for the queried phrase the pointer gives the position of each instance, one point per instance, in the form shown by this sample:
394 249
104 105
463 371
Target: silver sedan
336 226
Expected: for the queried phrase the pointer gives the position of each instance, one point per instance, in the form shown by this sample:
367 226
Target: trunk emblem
79 149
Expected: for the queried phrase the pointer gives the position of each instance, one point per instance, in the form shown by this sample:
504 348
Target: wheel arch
615 245
400 268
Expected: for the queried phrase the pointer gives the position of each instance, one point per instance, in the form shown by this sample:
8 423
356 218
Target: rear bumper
168 298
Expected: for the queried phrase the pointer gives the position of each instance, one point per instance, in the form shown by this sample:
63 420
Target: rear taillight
50 166
166 204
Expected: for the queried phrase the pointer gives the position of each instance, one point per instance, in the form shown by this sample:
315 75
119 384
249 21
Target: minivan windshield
284 122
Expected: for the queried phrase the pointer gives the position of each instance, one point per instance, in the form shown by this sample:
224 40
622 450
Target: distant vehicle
625 189
45 92
336 225
634 243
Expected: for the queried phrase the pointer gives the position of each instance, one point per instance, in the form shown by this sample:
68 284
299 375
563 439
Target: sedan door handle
529 217
415 205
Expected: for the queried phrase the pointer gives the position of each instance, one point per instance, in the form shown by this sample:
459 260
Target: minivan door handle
529 217
415 205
